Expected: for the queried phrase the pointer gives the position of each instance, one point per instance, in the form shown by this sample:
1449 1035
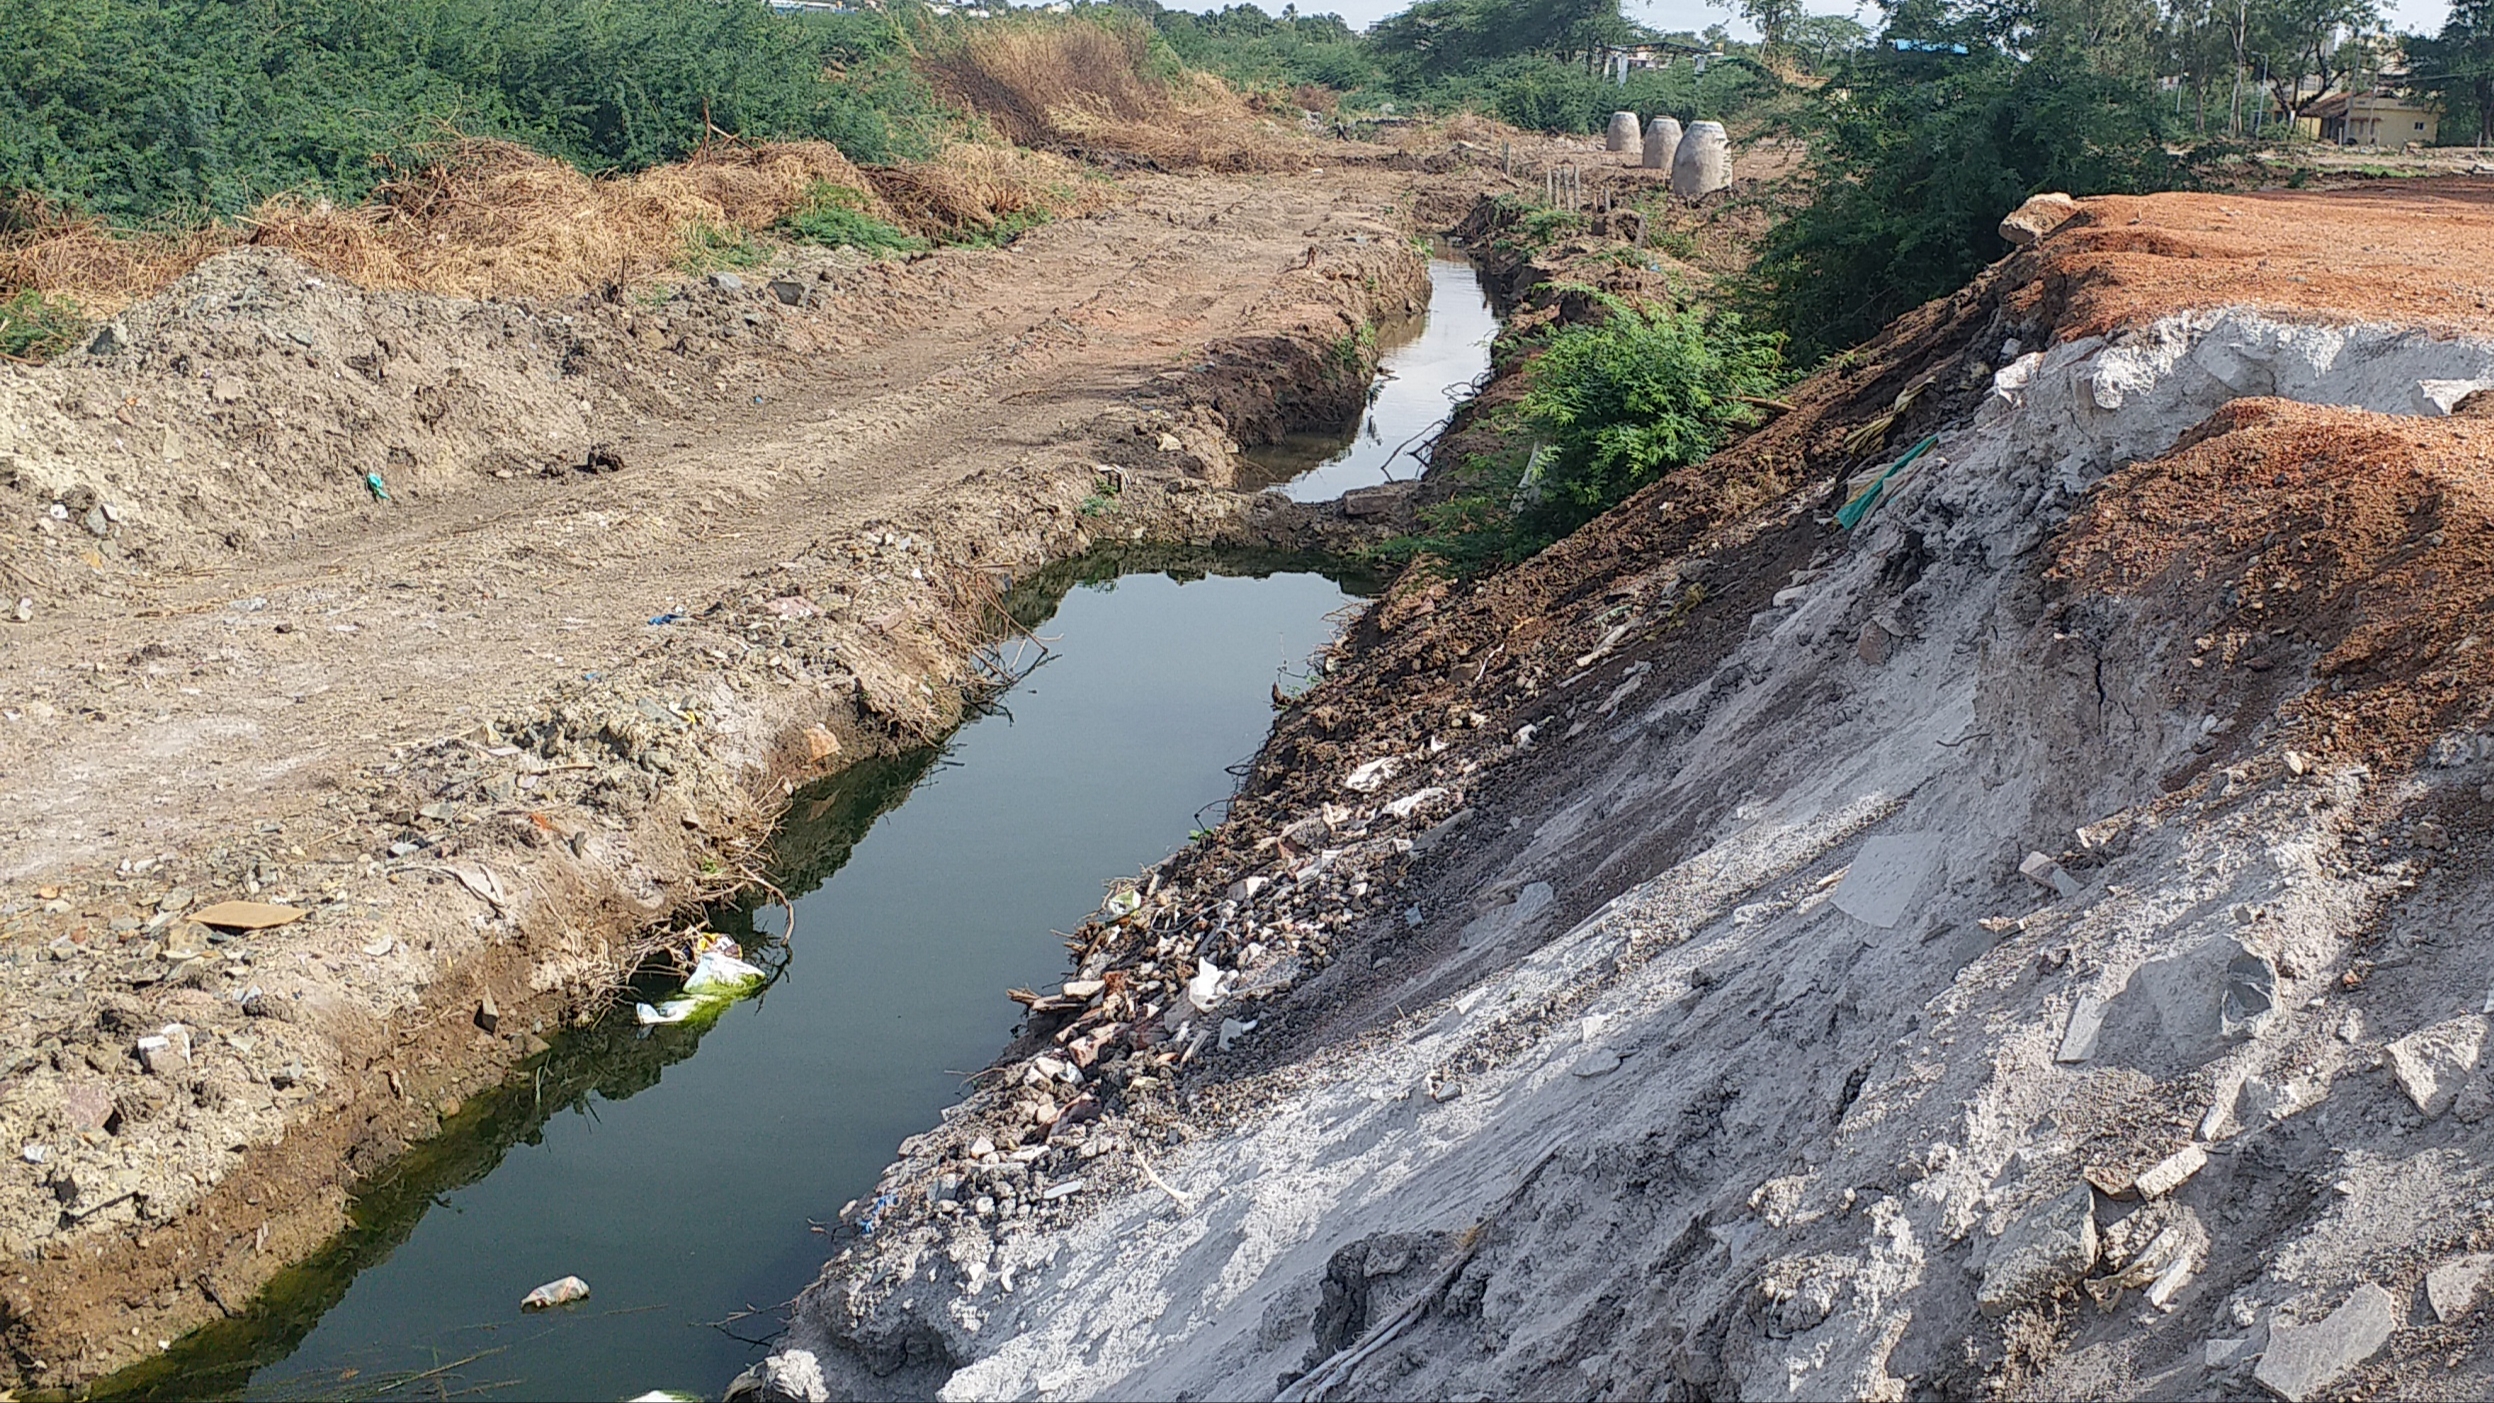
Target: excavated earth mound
2030 944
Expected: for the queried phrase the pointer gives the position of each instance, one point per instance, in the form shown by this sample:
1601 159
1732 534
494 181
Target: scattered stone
2451 1288
2226 1353
2303 1360
2170 1173
1600 1062
2298 764
33 1153
556 1293
2078 1041
2050 1248
488 1017
2432 1063
2040 215
1873 643
1381 502
790 1376
2050 875
1067 1189
982 1147
820 744
790 293
87 1105
166 1051
726 282
2250 997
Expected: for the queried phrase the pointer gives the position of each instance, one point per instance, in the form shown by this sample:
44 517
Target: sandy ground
2031 945
643 565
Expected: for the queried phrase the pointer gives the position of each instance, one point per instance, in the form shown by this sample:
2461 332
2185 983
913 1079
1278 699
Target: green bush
131 108
36 327
1915 165
1609 408
833 216
1623 402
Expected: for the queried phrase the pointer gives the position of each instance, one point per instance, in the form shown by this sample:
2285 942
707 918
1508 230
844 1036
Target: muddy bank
1997 949
495 734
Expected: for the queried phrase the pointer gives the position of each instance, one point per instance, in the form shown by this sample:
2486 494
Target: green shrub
133 108
1623 402
834 216
1608 408
36 327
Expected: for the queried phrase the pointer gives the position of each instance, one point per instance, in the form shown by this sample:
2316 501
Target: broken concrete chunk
2250 996
2050 875
166 1051
2303 1360
2078 1042
2451 1288
790 1376
2170 1173
1885 877
2226 1353
2048 1249
2432 1064
2040 215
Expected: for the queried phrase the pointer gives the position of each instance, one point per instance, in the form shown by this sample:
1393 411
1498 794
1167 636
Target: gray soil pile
2029 944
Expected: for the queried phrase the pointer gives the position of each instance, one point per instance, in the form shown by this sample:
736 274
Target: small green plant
1004 231
1098 504
1679 243
710 247
36 327
835 215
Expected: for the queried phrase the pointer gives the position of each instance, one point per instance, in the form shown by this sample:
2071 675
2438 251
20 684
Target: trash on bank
556 1293
380 493
1865 498
671 1012
721 973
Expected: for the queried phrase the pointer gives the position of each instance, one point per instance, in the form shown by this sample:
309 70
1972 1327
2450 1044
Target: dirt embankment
490 635
2030 944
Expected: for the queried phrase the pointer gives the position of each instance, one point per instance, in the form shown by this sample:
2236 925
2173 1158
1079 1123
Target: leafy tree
1438 38
1822 40
2457 65
2297 40
1916 163
1773 19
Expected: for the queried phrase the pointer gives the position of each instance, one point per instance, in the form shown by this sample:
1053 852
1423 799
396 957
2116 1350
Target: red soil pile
2409 251
2275 528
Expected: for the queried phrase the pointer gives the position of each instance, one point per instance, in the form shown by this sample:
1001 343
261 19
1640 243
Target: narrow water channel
1427 367
684 1190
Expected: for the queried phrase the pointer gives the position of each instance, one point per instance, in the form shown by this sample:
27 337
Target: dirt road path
449 729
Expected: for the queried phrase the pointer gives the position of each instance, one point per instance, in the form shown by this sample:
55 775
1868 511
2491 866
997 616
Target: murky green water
684 1190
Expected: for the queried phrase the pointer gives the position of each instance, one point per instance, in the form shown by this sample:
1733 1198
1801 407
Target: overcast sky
2408 15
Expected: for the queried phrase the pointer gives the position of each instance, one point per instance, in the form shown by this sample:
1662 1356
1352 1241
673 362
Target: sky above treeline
2408 16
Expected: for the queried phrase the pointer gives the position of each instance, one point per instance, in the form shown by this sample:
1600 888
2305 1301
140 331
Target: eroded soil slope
2030 944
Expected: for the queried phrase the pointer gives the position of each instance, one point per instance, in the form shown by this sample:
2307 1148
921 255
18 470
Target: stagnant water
684 1190
1427 367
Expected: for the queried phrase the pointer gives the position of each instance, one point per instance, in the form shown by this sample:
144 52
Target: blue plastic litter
379 492
668 618
1851 513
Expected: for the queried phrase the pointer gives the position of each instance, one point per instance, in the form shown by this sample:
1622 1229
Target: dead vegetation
1094 89
977 189
484 218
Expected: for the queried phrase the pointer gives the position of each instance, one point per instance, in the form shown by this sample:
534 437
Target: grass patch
36 327
835 215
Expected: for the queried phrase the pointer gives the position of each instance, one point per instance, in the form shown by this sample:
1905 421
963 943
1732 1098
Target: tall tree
2296 40
1438 37
2457 64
